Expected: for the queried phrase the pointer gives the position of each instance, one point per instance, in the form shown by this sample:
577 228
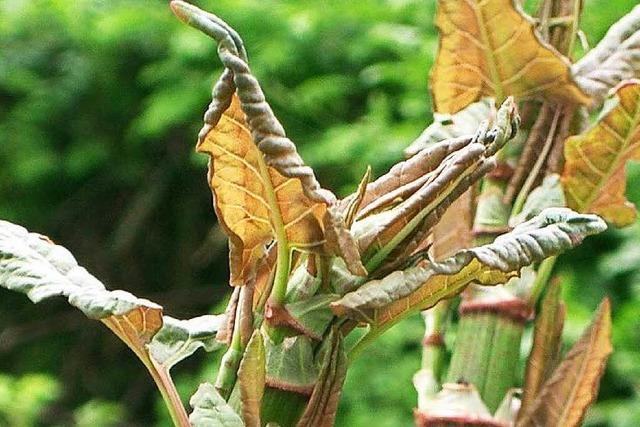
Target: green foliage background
100 102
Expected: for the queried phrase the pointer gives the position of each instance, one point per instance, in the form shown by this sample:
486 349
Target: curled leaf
490 48
210 409
448 126
573 386
323 403
262 188
386 300
615 59
340 241
547 342
594 176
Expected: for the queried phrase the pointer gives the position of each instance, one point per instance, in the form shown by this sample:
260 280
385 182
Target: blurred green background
100 104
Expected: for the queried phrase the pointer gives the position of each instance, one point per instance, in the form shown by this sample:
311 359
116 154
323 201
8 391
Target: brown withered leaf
594 176
253 200
545 351
490 48
573 386
251 376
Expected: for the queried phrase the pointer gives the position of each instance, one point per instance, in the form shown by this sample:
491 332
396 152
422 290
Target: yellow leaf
573 386
490 48
252 200
593 177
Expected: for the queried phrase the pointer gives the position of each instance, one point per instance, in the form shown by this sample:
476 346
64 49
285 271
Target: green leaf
251 376
313 315
381 302
448 126
548 195
210 409
290 364
179 339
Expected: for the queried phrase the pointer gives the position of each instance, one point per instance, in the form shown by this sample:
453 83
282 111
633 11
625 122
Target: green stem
169 393
486 354
542 278
542 158
282 407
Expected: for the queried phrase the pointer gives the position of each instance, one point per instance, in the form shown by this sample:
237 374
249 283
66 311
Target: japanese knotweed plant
490 49
309 272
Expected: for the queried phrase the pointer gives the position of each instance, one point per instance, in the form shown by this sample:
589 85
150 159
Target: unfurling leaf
547 341
448 126
573 386
251 376
614 59
594 176
254 201
490 48
340 241
403 205
323 403
210 409
386 300
30 263
262 188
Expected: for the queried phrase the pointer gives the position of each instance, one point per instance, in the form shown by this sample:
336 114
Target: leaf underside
614 59
380 302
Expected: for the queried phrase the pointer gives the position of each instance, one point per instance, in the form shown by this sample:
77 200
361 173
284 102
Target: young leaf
448 126
383 301
547 341
340 241
262 188
573 386
255 202
614 59
594 177
323 403
290 364
251 376
210 409
490 48
179 339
